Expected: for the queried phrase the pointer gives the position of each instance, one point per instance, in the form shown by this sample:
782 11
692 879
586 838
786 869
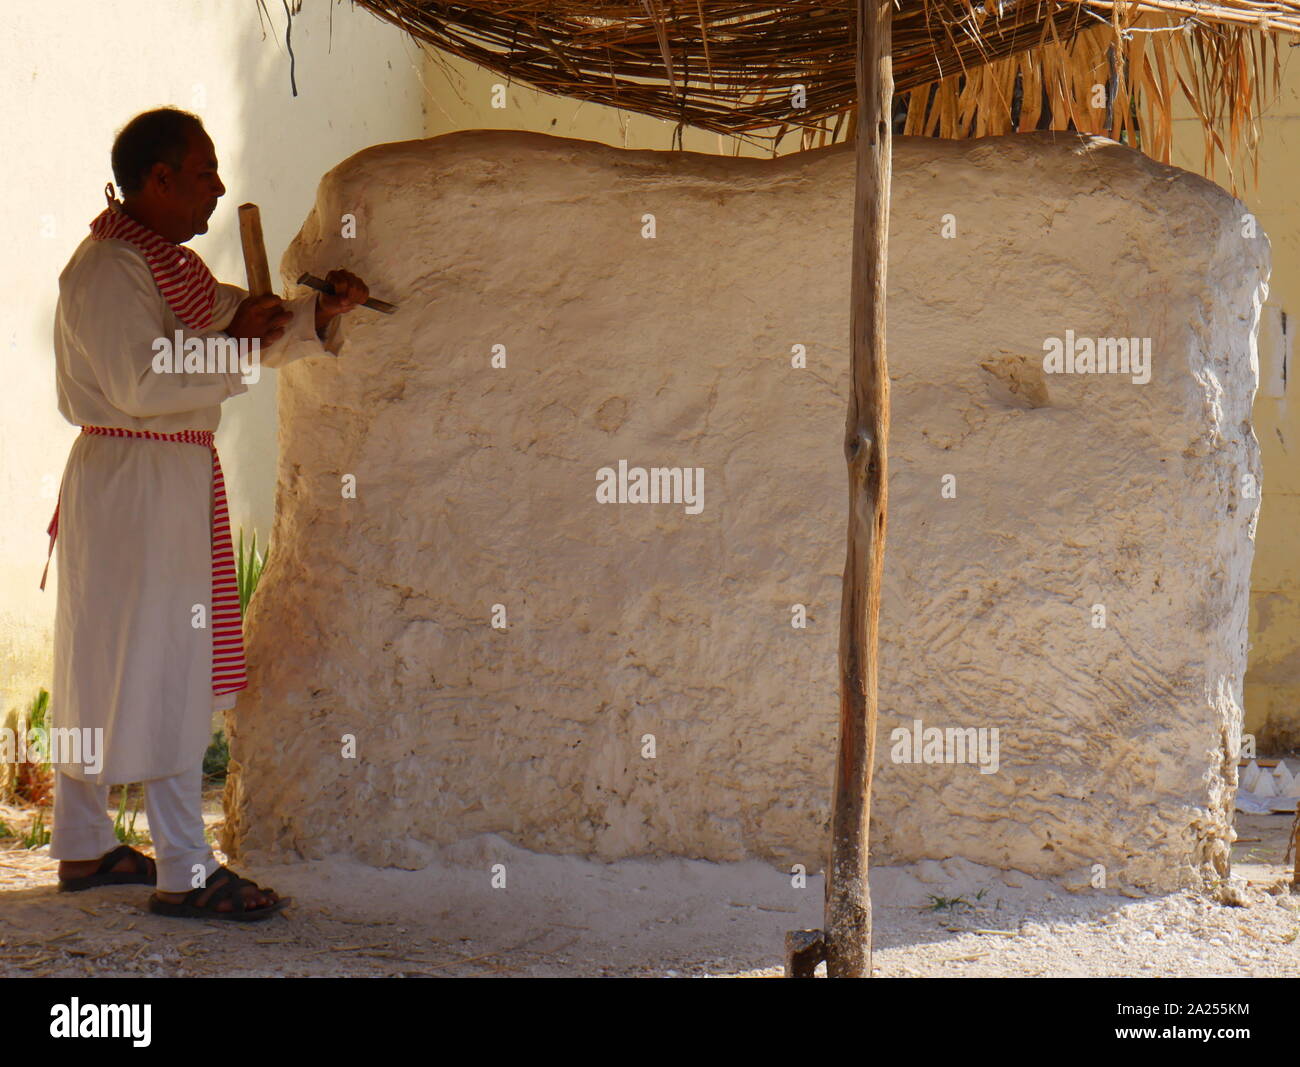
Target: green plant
6 830
938 903
217 757
39 711
37 835
126 832
30 782
248 569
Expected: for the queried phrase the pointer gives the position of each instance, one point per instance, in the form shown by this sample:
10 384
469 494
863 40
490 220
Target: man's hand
260 318
349 291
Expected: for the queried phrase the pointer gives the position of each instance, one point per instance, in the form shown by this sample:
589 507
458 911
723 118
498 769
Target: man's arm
113 310
301 337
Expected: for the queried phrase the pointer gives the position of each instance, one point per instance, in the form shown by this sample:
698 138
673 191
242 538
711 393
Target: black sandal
224 884
145 872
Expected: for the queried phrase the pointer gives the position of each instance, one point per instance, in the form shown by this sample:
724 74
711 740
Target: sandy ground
569 916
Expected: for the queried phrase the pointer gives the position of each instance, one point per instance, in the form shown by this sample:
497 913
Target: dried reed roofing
964 69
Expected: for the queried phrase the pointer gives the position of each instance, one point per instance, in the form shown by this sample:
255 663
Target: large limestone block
476 486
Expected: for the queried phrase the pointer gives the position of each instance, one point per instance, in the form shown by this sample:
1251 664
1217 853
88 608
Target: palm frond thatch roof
964 68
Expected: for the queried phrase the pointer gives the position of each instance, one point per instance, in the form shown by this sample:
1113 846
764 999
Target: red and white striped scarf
181 276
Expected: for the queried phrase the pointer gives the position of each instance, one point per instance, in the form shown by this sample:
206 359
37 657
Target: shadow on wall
356 86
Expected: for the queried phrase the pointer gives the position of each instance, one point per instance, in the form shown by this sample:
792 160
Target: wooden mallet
250 236
259 275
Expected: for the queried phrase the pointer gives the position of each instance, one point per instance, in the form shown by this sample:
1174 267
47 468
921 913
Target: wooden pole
250 236
1295 844
848 900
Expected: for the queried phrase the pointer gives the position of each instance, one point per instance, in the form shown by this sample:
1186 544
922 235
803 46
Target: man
147 641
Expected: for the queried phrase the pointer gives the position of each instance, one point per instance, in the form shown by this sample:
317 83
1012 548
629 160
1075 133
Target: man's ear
161 174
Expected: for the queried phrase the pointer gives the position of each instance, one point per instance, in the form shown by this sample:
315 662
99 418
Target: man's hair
160 136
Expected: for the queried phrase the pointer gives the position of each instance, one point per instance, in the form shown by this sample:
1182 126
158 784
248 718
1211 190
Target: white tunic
133 555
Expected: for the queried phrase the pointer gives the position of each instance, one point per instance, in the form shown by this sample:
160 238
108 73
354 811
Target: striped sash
181 276
228 668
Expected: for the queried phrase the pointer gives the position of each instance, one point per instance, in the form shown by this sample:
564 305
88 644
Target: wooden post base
804 949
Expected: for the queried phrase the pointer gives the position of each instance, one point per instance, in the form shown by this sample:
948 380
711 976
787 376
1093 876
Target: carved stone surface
649 694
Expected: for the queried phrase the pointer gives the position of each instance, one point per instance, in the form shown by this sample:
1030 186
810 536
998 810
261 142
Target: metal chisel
322 286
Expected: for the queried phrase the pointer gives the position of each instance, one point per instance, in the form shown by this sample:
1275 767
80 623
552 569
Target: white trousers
83 829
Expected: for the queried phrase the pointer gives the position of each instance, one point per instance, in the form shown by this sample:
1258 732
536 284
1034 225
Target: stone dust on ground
568 916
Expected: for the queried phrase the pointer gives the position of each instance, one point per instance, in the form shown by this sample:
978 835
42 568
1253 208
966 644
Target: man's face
192 192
